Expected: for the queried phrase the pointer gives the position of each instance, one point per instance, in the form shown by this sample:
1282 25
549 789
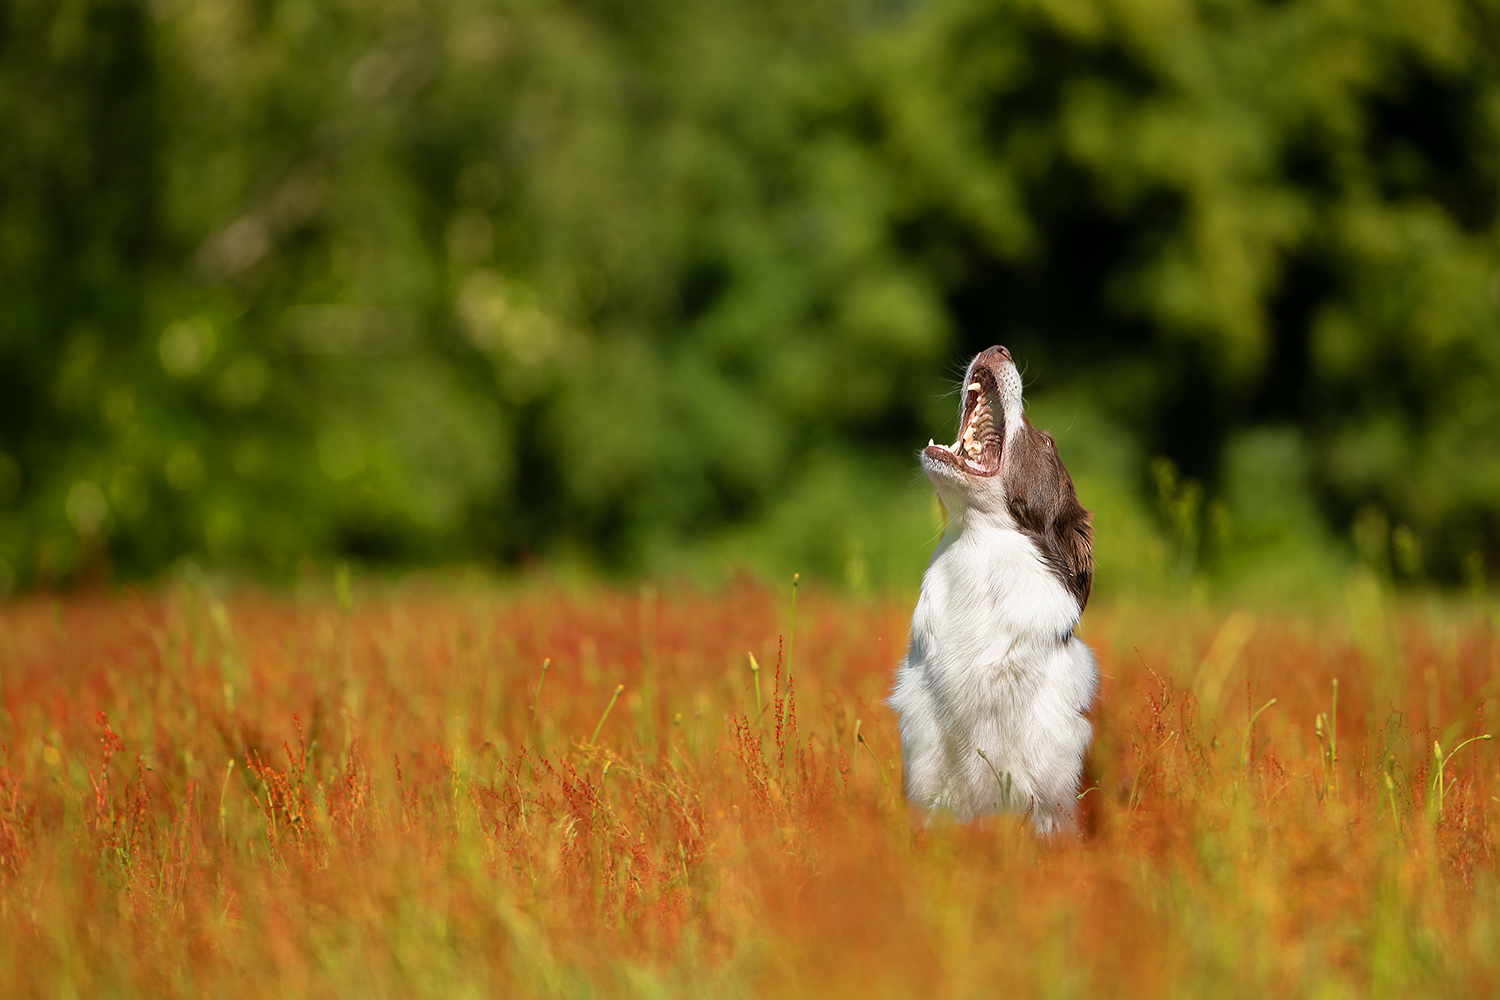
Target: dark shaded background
659 286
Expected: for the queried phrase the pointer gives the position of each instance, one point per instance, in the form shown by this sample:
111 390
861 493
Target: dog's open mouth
981 432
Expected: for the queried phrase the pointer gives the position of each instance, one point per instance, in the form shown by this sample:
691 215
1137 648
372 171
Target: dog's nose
994 352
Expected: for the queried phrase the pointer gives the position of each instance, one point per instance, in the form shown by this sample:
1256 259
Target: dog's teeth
930 442
976 386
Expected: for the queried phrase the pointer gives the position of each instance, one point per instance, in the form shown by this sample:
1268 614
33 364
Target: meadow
453 790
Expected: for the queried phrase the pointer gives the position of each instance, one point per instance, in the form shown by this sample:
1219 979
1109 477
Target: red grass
275 798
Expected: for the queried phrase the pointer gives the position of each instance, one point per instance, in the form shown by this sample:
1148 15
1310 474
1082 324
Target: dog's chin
940 468
958 488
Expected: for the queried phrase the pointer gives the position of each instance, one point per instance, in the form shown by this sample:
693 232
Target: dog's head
1004 471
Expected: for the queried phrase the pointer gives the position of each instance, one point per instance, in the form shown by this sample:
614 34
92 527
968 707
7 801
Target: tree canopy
529 279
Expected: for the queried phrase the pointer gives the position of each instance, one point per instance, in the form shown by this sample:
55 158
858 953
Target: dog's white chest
993 690
988 599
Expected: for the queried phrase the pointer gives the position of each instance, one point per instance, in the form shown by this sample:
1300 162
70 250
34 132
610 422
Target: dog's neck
990 579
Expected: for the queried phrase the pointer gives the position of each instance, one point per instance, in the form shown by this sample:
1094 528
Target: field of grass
392 796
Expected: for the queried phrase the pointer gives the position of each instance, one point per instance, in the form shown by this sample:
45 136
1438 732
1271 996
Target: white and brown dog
994 689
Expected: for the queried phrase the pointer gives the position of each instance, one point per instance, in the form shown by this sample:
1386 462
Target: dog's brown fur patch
1045 507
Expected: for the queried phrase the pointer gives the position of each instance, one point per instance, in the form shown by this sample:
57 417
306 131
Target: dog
995 687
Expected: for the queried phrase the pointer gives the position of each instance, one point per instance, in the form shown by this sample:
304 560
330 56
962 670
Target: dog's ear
1072 531
1073 535
1045 506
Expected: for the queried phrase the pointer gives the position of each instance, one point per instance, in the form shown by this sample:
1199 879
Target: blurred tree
519 278
1229 214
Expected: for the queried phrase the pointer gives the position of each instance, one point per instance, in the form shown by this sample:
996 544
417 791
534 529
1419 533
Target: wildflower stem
1442 762
791 638
1250 732
224 787
1322 751
536 708
594 739
1135 784
1004 781
1333 737
859 738
755 676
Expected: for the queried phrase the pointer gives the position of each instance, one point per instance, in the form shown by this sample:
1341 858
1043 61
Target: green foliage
515 279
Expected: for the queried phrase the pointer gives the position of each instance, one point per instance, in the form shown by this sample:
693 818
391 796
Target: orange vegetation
260 796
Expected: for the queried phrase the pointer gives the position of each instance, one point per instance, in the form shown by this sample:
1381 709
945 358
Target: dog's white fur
994 688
